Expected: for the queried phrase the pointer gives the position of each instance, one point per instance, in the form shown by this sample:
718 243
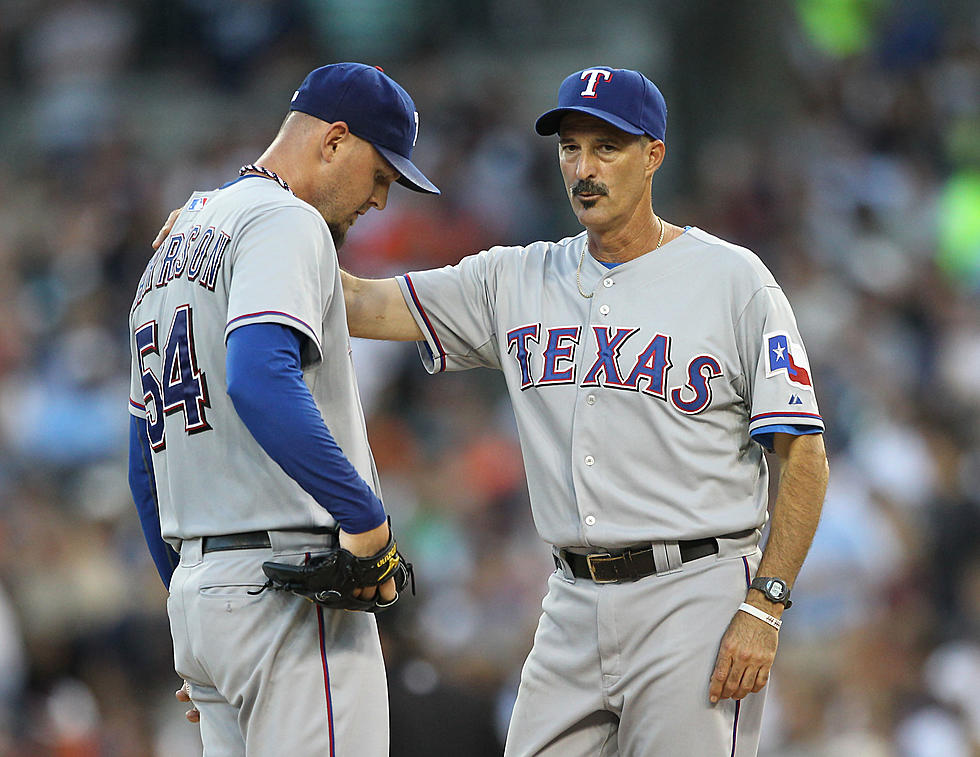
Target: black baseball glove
330 579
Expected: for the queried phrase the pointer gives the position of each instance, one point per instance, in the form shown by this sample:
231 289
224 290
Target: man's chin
338 233
587 213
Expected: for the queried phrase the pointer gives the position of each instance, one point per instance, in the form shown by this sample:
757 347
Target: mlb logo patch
787 358
196 203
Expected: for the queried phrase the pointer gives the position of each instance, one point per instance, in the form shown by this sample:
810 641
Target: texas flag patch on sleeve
787 358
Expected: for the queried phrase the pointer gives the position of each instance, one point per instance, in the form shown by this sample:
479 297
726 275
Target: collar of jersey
241 178
610 266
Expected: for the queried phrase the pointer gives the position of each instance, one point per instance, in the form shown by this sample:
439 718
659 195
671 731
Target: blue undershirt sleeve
266 386
764 434
142 484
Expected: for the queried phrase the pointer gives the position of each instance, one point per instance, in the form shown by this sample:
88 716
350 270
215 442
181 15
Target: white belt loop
561 564
667 557
190 551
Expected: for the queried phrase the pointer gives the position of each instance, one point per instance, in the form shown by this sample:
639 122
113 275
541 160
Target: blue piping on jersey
235 181
738 702
813 416
273 312
326 675
428 324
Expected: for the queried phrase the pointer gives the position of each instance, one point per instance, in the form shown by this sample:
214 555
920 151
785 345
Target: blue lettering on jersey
177 384
210 273
609 346
517 339
700 371
173 260
172 264
648 373
561 348
146 345
146 280
185 387
652 365
200 254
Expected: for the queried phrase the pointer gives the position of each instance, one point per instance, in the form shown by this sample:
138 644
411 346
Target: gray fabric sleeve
454 307
775 364
278 275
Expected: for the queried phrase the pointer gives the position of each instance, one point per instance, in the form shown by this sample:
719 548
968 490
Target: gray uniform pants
273 674
622 670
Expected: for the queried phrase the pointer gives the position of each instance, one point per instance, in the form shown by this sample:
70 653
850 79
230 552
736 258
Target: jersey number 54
183 387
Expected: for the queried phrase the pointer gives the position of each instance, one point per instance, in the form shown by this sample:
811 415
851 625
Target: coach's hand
745 658
183 694
367 544
165 229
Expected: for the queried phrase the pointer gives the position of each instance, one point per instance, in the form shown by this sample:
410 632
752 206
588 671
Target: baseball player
649 367
249 457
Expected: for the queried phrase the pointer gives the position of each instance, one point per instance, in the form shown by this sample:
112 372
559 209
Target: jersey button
590 399
589 460
604 309
607 283
590 520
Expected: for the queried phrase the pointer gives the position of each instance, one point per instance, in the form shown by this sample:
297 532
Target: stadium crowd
840 141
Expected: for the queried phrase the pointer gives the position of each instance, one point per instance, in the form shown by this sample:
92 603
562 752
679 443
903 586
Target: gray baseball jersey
635 403
247 253
250 252
634 406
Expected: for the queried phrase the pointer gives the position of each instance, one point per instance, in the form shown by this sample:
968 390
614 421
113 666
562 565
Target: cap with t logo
373 106
624 98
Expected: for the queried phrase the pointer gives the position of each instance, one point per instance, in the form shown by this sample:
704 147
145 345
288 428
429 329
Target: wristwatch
775 589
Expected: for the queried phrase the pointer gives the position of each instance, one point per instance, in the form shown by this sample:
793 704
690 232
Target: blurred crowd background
839 139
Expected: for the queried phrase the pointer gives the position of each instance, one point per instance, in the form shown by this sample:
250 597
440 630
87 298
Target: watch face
776 589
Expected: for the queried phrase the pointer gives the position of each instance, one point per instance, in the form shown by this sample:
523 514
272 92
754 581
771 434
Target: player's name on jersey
193 255
647 368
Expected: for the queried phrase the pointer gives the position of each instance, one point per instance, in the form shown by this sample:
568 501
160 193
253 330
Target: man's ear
332 139
656 150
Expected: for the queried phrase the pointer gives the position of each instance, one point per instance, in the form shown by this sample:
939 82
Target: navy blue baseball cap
626 99
375 108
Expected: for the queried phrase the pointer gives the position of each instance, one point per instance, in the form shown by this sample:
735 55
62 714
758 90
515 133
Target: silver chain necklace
265 172
578 271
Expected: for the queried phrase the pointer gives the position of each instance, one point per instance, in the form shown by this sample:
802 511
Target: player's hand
367 544
183 694
745 658
165 229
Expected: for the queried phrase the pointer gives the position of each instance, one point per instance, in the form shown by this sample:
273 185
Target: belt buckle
598 555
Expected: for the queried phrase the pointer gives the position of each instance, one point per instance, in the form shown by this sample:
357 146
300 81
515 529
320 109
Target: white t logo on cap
593 75
416 137
295 95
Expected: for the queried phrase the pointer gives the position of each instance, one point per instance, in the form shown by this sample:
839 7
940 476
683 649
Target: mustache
588 186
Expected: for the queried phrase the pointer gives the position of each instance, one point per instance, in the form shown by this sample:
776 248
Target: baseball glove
330 579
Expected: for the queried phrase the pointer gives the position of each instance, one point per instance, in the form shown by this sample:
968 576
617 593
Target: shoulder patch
787 358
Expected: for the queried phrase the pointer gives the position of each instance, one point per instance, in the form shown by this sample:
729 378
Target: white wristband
763 616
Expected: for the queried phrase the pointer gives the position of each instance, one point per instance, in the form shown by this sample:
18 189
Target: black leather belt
248 540
252 539
636 562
